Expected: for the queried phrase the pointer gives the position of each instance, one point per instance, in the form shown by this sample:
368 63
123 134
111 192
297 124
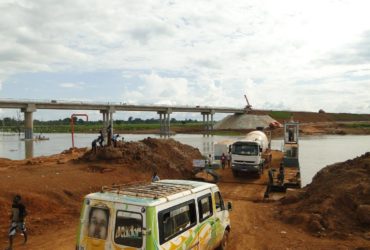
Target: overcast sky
290 55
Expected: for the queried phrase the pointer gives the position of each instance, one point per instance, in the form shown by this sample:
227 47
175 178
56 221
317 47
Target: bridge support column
164 122
108 123
160 123
207 122
28 121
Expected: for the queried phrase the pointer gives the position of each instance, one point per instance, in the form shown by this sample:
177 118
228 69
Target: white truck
250 154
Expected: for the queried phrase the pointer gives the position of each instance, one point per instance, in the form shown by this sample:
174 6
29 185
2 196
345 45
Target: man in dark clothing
109 135
17 220
101 138
93 145
115 139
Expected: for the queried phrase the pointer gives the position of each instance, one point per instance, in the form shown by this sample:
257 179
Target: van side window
205 207
98 223
175 220
219 202
128 229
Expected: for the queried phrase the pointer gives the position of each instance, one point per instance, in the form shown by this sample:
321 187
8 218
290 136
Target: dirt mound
244 121
337 202
162 155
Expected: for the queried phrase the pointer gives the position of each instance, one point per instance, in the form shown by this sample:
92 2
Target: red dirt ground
52 189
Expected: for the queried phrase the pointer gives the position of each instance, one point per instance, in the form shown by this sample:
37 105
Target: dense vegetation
64 125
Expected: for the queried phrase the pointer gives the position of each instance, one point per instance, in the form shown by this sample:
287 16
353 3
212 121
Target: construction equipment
288 175
248 107
251 154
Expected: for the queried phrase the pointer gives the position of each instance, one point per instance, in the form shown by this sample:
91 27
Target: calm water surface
316 152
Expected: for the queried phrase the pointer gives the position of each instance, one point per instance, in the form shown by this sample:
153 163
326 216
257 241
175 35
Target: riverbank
47 182
312 128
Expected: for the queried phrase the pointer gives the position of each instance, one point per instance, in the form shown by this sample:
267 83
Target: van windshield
128 229
244 148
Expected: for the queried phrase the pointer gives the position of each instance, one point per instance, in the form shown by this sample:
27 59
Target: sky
285 55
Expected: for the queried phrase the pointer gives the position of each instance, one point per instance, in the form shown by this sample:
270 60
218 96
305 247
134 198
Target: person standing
93 146
209 161
115 139
17 220
109 135
223 160
229 159
101 138
155 177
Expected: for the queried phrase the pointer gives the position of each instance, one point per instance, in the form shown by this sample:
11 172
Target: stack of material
244 121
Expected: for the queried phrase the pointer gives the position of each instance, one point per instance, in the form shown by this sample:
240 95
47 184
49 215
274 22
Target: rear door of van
128 230
95 225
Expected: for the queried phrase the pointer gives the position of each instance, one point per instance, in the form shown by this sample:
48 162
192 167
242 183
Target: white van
168 214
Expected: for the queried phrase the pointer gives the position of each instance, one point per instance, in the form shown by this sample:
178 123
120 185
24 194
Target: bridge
28 107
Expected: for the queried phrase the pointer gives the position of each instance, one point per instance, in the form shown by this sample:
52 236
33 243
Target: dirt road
52 189
254 226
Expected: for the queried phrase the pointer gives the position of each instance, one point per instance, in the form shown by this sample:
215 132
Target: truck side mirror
260 150
229 206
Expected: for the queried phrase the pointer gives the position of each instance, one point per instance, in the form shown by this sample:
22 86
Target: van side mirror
260 150
229 206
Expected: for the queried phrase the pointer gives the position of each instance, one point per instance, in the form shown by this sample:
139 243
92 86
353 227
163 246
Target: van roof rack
154 190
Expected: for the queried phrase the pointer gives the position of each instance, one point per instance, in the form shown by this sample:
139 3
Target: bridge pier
108 122
207 123
164 122
28 121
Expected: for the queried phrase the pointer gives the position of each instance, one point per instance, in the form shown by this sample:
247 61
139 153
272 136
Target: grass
357 125
94 128
280 114
351 117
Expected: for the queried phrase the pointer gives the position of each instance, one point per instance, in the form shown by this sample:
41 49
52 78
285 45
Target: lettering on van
128 229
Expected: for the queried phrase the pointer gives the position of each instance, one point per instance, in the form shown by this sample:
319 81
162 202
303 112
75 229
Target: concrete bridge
28 107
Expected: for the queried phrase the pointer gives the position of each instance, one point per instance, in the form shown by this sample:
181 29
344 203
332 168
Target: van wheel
224 242
235 173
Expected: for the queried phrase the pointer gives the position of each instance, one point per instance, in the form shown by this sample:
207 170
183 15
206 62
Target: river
316 152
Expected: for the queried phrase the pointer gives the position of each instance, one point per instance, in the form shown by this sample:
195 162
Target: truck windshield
128 230
242 148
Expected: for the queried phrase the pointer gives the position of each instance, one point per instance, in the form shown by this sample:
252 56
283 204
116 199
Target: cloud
72 85
193 52
356 53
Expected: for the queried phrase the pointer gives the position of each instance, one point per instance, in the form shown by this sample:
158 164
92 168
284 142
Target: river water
316 152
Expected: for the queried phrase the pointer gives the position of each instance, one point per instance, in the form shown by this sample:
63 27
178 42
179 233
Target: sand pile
162 155
336 203
244 121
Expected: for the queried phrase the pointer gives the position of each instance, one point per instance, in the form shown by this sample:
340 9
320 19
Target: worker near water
223 160
94 145
109 134
17 217
100 138
155 177
290 135
115 139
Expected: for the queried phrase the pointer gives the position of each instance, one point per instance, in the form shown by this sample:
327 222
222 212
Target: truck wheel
235 173
224 241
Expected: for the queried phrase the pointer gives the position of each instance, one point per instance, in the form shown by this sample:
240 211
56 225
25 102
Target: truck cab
246 157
